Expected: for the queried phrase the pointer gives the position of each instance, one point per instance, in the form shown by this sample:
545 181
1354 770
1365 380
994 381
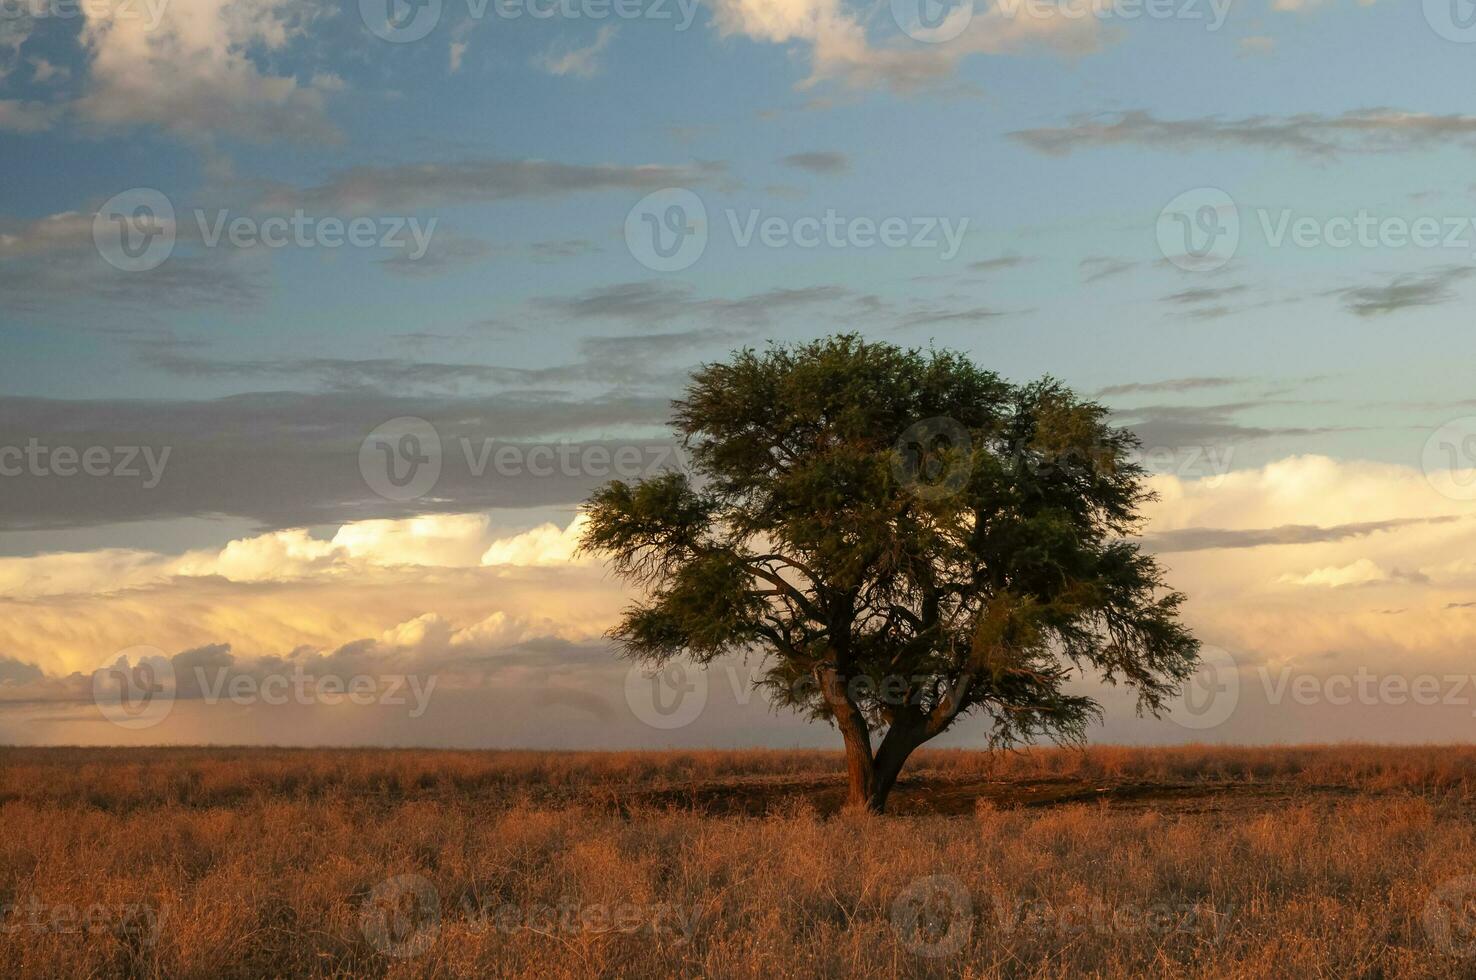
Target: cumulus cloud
195 72
841 51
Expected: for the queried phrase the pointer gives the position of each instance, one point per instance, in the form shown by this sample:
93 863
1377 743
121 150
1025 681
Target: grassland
1349 861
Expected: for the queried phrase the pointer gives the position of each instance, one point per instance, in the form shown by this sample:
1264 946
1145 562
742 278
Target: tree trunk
891 755
860 766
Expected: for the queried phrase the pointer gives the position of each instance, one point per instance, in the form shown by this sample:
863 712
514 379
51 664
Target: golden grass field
1349 861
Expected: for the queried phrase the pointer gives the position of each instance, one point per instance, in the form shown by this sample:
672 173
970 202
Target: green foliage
977 570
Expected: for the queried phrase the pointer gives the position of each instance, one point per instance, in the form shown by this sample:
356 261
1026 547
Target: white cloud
562 59
841 51
196 73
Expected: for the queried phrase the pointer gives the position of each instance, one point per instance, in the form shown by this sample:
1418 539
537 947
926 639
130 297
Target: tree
904 538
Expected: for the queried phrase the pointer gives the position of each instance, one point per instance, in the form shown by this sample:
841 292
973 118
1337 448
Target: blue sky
524 148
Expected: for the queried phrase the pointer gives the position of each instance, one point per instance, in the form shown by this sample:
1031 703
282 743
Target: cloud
426 185
1255 45
1207 538
27 117
656 302
1361 130
1405 292
564 59
1203 294
840 50
818 162
284 459
194 72
1095 268
994 265
446 253
1359 573
1172 384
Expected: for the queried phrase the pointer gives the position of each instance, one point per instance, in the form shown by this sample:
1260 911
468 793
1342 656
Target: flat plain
1333 861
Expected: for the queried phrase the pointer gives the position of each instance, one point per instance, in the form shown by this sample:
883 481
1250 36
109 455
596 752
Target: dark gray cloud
1405 292
1185 426
283 459
1172 384
1208 538
931 317
1363 130
1098 267
658 302
818 162
428 185
567 249
445 253
993 265
1203 294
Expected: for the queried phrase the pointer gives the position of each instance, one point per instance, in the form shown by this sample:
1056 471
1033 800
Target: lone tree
904 538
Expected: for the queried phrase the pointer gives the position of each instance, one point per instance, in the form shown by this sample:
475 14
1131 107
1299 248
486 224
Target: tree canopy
905 538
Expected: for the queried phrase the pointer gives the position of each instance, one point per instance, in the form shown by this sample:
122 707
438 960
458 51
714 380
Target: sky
320 319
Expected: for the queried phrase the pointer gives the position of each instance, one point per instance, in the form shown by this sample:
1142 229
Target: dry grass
1319 862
